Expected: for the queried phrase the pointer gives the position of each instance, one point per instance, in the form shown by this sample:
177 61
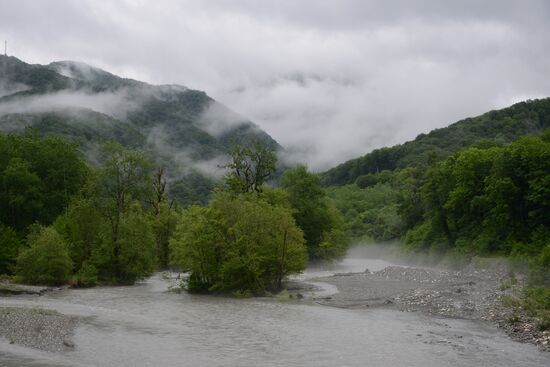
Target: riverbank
8 288
37 328
472 293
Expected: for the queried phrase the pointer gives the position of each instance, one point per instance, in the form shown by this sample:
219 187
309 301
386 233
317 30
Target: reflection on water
144 325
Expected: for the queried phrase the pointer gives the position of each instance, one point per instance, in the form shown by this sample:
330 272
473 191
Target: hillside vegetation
183 130
490 198
65 221
494 127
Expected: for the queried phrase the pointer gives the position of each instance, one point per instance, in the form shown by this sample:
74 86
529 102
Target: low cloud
216 119
185 161
115 104
11 88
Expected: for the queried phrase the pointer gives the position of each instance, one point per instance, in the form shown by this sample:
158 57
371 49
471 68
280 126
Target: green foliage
323 227
82 226
86 275
105 225
193 189
38 177
486 201
250 167
9 249
371 212
46 260
124 178
125 175
163 218
136 256
490 129
241 244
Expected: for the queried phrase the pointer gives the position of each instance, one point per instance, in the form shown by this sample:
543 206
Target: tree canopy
241 244
322 224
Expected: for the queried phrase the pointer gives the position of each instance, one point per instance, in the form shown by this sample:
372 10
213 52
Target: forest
66 222
490 199
497 126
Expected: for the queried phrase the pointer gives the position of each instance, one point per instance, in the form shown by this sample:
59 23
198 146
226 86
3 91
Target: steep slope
494 127
184 130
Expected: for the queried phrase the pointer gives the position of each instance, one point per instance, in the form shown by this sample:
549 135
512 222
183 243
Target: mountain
182 129
494 127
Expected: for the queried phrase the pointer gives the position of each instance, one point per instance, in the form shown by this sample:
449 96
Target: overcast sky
329 79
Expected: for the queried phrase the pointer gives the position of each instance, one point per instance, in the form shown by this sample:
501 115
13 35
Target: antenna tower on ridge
5 48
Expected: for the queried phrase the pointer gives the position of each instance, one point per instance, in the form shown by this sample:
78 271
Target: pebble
37 328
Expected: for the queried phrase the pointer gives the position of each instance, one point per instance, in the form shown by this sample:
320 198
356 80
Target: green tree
46 260
83 227
250 167
125 177
163 217
242 244
9 249
322 225
22 195
38 176
136 258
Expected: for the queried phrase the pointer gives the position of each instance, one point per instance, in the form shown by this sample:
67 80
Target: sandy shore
37 328
475 294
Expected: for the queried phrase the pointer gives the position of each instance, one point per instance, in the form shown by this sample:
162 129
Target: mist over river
144 325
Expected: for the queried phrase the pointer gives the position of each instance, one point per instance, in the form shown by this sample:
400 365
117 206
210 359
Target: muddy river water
144 325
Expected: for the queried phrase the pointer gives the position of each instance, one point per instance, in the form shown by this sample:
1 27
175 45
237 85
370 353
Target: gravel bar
37 328
474 294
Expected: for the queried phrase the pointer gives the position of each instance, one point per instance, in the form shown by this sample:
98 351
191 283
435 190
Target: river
144 325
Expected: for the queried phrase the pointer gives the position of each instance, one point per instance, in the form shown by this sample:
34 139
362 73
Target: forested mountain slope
502 126
182 129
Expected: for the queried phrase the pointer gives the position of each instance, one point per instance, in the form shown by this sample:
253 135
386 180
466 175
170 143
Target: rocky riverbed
472 293
37 328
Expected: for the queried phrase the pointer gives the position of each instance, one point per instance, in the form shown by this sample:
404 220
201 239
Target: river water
144 325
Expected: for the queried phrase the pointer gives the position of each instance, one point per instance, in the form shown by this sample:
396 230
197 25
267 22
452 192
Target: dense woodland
491 199
64 221
494 127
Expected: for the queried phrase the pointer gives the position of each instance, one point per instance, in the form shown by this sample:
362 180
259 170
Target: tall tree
125 177
322 225
250 167
163 216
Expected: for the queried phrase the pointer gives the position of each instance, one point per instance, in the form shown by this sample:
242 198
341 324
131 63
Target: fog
185 159
115 104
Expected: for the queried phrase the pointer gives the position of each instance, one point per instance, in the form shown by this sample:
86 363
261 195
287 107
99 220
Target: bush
86 276
238 244
46 260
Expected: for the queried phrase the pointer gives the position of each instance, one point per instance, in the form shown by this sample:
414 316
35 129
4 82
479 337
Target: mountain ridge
493 127
183 129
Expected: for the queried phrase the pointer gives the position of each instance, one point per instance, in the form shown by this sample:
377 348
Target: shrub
87 275
46 260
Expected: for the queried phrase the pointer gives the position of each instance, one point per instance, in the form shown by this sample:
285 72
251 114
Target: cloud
115 104
216 119
330 80
185 161
10 88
